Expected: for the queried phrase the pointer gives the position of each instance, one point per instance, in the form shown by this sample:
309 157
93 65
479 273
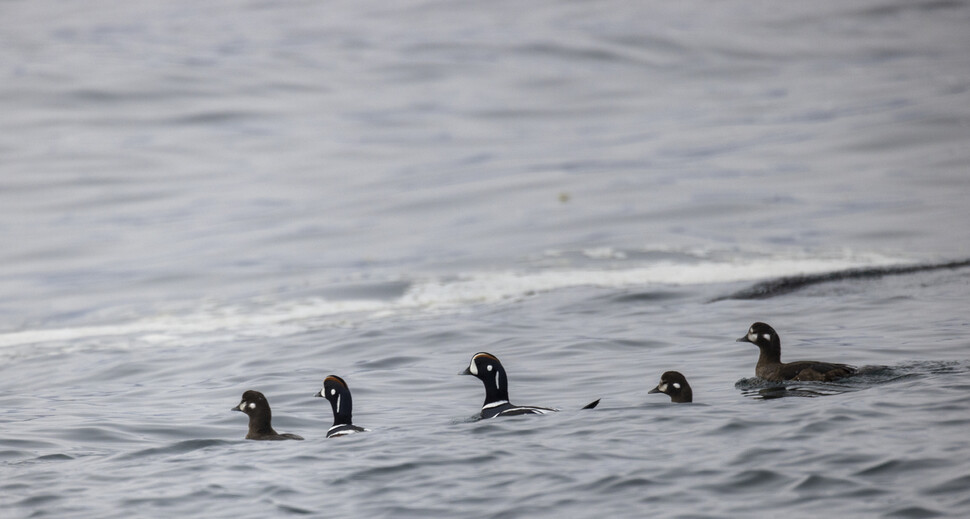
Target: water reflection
867 377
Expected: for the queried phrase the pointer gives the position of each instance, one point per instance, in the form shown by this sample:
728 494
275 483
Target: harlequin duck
675 385
336 391
487 368
770 367
255 405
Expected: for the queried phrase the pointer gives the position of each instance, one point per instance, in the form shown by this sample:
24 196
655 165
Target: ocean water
200 198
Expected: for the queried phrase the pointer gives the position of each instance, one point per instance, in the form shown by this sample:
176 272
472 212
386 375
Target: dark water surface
199 198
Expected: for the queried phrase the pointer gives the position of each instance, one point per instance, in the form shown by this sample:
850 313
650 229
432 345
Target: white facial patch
753 337
662 387
338 404
472 368
241 406
496 380
767 336
333 392
489 367
252 405
676 385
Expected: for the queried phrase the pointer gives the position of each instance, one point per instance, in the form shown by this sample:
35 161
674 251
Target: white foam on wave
266 320
216 322
492 287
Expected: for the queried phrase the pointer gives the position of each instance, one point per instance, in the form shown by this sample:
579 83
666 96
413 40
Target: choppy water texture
199 198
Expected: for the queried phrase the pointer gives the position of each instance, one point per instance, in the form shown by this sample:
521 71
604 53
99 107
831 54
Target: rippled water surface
202 198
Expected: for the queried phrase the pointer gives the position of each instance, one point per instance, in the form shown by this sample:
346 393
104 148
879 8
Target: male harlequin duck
674 384
255 405
770 367
487 368
336 391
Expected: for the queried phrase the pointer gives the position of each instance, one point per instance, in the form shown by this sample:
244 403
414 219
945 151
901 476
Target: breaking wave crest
421 297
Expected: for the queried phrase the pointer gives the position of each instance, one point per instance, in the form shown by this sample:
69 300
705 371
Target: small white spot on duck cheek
472 368
676 385
252 405
489 367
767 336
333 392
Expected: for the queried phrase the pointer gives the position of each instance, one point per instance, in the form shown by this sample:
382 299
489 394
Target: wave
175 448
788 284
602 268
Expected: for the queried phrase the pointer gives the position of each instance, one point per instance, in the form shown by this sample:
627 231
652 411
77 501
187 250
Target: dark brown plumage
675 385
770 367
255 405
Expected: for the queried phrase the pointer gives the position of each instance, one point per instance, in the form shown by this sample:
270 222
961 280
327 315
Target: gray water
200 198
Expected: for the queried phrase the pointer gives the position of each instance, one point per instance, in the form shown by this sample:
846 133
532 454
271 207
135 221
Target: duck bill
319 393
654 390
236 409
466 372
742 339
